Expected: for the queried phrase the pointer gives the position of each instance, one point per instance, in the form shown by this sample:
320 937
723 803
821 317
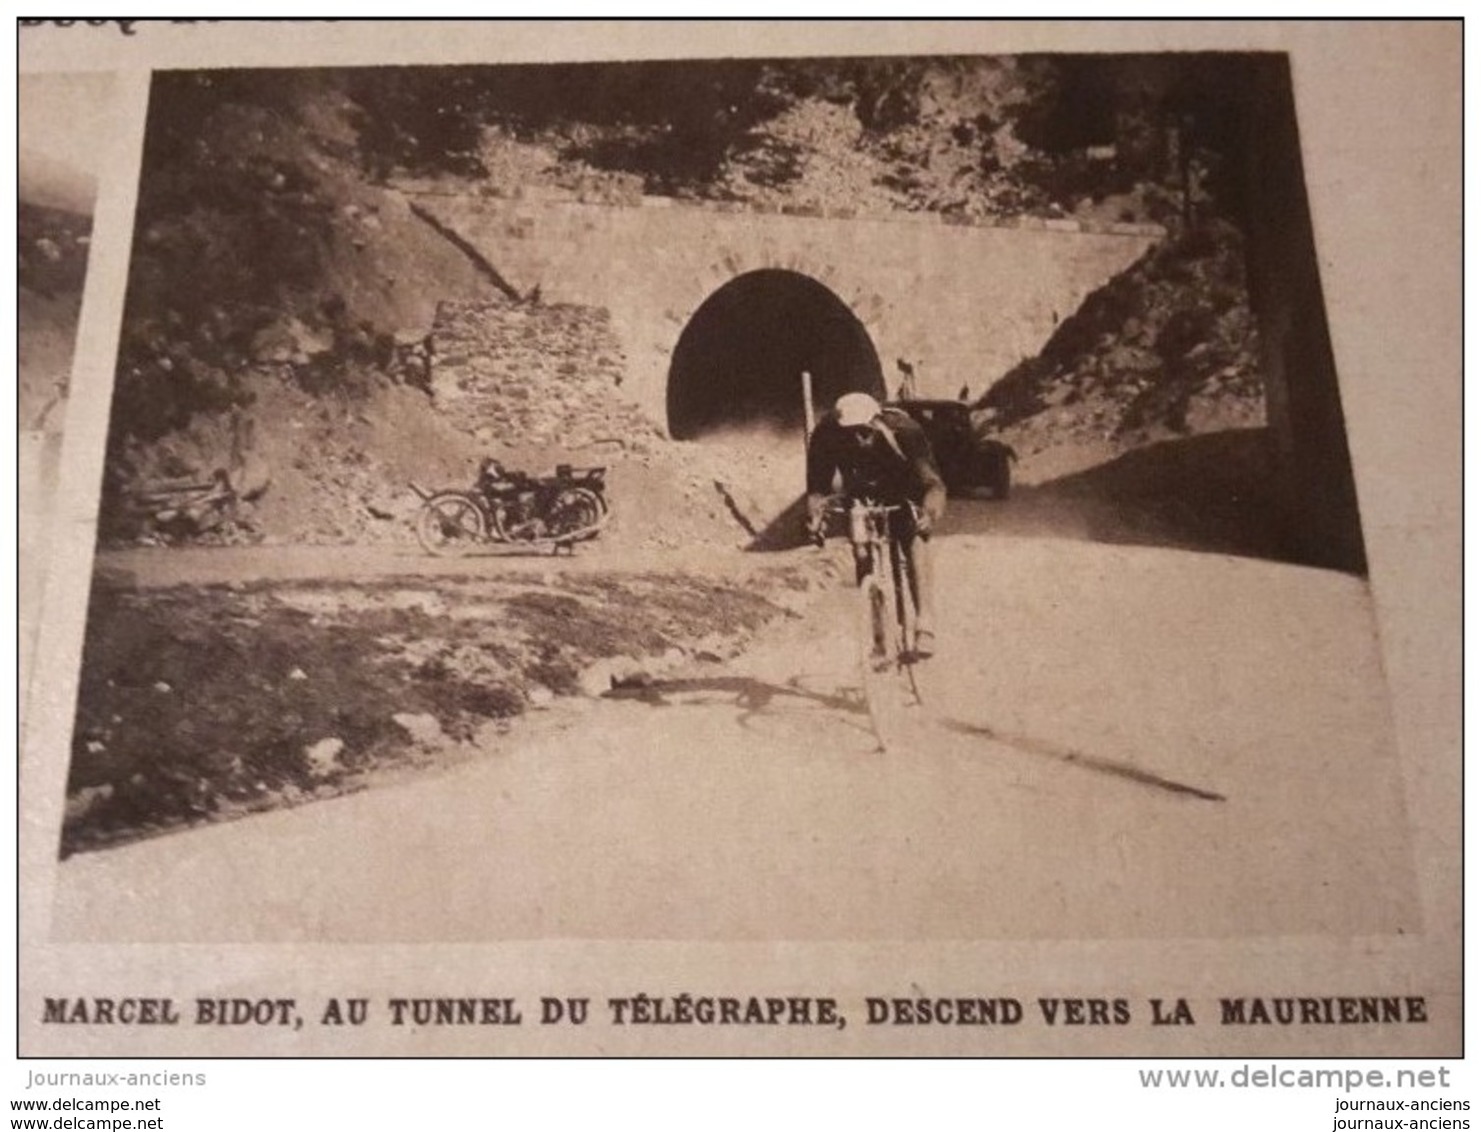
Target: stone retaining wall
533 374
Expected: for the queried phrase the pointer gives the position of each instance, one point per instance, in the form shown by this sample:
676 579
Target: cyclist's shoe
925 643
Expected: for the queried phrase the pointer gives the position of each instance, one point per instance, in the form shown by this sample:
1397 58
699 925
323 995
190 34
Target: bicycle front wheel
875 661
875 617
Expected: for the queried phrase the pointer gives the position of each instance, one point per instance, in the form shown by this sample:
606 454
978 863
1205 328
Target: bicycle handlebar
866 510
842 504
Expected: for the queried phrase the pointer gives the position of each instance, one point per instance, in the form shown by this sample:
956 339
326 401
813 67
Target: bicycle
182 509
887 612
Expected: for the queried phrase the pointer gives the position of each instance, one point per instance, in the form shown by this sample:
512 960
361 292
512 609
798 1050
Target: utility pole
809 422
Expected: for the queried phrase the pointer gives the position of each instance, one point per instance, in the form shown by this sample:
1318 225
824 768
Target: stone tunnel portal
738 361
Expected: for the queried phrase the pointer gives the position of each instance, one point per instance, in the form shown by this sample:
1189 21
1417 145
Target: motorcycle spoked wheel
450 523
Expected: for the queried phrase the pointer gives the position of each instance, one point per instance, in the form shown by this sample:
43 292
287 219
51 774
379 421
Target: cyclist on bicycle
884 457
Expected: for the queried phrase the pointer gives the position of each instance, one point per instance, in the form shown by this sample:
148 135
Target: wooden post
808 420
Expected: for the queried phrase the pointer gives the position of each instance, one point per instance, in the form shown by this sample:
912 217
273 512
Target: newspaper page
424 648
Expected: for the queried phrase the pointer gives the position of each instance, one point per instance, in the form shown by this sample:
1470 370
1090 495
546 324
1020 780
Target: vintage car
967 459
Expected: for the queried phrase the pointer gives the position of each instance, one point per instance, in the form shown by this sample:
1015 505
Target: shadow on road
753 697
1218 492
1077 758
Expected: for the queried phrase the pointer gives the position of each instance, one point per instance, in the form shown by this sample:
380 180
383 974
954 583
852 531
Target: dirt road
1117 742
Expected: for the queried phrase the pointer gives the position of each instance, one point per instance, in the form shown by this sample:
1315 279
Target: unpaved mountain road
1117 742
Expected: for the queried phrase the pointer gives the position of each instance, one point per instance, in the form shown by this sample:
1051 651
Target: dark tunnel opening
739 360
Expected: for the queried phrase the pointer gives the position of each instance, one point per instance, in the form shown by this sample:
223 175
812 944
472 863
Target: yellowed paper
1157 794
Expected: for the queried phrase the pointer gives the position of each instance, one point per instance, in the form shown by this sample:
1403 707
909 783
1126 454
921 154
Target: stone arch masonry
961 302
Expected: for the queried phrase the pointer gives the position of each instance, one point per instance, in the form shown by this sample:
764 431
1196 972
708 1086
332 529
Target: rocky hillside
204 704
975 137
277 314
1166 349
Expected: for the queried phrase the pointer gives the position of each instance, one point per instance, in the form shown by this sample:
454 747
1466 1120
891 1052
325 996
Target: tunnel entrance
738 360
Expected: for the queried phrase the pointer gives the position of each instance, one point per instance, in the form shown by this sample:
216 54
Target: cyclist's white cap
856 409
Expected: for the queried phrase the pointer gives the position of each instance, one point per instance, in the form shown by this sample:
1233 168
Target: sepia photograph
899 506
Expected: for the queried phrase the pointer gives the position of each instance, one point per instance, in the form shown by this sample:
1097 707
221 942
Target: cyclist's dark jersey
884 472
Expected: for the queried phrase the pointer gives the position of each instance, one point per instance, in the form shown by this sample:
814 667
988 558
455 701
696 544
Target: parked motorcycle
505 505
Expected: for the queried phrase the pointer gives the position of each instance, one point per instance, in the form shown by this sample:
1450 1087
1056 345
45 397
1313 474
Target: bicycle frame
883 575
887 613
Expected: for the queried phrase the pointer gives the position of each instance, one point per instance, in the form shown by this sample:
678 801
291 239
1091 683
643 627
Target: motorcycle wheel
576 509
450 523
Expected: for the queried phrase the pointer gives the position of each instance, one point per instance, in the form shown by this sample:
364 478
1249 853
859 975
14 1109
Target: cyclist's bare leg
922 588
